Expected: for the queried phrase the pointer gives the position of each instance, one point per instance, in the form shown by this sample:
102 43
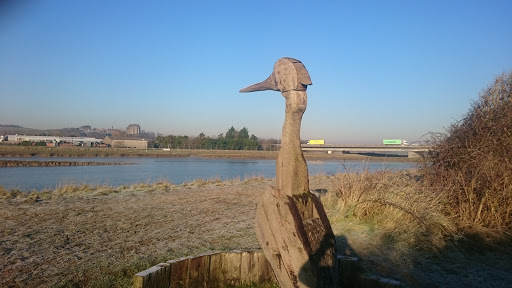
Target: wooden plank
254 268
265 270
215 277
199 271
231 268
138 281
146 278
163 275
369 282
224 269
208 270
248 269
348 271
389 283
179 272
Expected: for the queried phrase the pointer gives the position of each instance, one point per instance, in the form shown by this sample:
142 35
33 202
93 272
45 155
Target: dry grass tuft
219 182
254 179
6 194
204 182
398 229
393 201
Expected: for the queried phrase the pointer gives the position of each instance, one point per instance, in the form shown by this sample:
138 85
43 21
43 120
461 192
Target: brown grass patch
82 236
101 236
399 229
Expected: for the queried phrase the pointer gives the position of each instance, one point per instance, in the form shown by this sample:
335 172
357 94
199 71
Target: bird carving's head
289 74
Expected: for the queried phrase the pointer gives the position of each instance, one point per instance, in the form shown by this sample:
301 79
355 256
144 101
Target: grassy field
82 236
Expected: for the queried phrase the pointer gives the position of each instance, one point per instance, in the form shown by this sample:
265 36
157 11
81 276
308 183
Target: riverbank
80 152
100 236
32 163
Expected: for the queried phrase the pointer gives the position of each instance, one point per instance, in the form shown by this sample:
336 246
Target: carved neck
291 169
296 102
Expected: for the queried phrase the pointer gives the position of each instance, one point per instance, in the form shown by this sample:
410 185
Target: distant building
133 129
54 140
126 142
114 132
85 128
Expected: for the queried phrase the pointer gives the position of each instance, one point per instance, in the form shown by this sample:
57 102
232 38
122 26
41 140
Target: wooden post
145 278
199 271
179 272
254 268
291 223
155 277
348 271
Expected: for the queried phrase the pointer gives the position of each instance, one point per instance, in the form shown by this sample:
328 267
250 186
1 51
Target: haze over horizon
380 70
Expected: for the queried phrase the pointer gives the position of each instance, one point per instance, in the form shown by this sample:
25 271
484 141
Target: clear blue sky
380 69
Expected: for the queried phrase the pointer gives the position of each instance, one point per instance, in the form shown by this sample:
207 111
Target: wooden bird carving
291 224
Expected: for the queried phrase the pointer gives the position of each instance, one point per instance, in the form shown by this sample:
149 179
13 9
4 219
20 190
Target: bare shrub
471 164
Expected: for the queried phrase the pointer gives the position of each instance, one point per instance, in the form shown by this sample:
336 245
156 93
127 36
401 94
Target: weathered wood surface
199 271
296 233
208 270
291 223
255 268
155 277
179 274
213 270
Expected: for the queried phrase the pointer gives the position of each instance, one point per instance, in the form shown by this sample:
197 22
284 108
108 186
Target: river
174 170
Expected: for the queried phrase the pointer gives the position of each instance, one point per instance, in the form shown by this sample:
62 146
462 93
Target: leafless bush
471 165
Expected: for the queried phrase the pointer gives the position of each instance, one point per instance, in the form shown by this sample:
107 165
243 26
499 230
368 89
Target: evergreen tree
234 140
243 134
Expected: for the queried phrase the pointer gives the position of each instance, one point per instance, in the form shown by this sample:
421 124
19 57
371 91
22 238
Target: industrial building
53 140
126 142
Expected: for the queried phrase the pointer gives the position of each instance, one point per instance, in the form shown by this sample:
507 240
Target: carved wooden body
291 224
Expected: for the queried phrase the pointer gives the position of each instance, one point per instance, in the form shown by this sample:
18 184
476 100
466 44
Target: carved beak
269 84
289 74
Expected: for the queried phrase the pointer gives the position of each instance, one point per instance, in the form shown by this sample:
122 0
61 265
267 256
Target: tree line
233 140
